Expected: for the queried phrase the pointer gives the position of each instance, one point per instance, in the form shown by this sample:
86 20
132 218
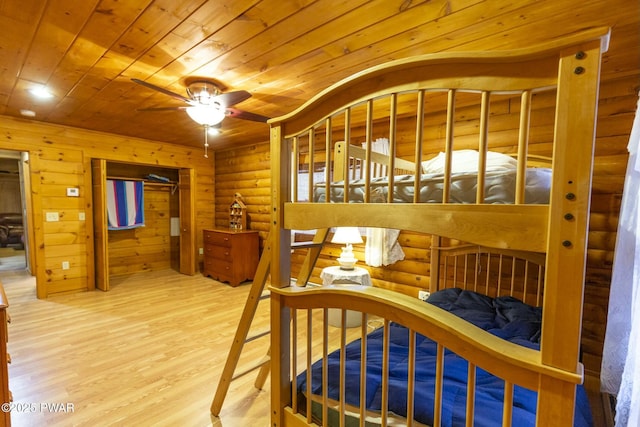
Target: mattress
505 317
499 188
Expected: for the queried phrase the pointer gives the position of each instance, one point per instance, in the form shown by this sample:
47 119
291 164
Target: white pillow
467 161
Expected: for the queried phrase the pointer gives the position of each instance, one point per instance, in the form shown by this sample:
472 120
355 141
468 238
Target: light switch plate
52 216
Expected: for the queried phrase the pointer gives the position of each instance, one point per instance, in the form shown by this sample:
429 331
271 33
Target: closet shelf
146 181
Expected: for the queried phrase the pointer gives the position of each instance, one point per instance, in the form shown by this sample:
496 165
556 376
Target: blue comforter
505 317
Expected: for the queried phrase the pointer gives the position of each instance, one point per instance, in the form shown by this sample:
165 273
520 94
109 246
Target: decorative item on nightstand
238 214
347 236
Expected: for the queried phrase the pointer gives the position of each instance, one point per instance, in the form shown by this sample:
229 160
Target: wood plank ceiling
281 51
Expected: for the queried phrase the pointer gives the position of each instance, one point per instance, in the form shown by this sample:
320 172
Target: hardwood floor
12 259
148 352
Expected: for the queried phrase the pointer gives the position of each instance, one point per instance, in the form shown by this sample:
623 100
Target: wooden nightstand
231 256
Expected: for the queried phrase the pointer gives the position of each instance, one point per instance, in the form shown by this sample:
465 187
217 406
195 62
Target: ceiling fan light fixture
206 115
202 91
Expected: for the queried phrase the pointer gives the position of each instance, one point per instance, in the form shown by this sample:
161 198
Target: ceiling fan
207 104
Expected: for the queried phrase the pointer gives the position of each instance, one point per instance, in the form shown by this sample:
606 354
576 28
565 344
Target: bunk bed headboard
391 95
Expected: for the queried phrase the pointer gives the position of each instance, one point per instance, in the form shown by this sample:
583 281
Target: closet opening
155 232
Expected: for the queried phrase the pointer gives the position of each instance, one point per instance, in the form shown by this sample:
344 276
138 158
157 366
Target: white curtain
382 247
620 372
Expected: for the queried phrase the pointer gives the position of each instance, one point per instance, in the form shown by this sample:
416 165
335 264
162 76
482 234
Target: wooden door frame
186 187
100 231
27 211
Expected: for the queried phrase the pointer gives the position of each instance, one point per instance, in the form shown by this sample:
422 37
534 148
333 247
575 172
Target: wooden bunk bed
525 249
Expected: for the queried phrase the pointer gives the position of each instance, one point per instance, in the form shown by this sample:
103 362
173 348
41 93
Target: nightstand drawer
219 252
221 265
220 270
215 238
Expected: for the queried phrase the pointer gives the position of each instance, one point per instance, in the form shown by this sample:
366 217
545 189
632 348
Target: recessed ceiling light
28 113
41 92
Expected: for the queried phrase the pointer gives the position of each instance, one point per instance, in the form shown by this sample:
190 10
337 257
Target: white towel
125 204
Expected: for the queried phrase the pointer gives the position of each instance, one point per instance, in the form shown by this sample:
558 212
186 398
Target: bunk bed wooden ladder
256 294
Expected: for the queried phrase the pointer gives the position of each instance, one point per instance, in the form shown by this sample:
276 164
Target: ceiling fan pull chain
206 141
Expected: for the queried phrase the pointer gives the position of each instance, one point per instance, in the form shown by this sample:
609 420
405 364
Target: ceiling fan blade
163 90
232 98
162 109
244 115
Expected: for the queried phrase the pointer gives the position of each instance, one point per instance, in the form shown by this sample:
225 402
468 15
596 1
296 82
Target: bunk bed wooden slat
483 145
523 141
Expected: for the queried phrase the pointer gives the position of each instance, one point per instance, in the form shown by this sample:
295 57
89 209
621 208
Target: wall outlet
423 295
201 251
65 265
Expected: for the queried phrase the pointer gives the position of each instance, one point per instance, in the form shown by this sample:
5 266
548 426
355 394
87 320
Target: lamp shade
206 115
346 235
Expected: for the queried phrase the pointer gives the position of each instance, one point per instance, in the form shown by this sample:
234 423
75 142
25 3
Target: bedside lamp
347 236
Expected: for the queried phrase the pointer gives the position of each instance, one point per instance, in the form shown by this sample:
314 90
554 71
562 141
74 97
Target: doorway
13 224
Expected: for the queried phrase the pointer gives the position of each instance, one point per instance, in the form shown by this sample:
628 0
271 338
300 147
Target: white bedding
499 188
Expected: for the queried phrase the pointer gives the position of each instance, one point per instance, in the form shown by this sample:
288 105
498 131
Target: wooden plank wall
68 239
145 248
60 157
246 170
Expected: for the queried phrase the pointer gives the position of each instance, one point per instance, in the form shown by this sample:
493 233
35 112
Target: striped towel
125 204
